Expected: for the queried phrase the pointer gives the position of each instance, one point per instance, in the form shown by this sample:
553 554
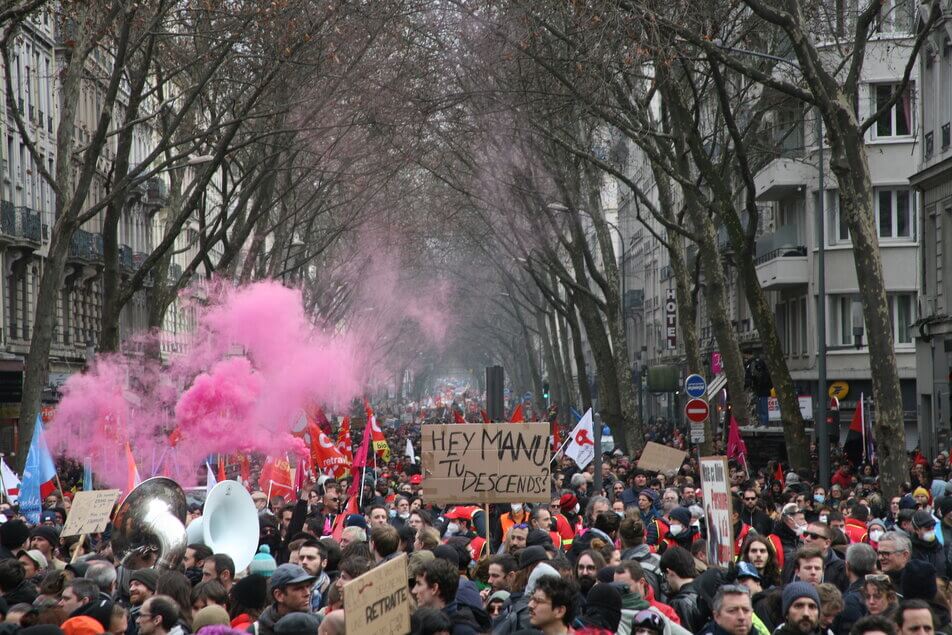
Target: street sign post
695 386
696 410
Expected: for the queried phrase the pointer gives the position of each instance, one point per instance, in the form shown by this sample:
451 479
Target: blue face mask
819 498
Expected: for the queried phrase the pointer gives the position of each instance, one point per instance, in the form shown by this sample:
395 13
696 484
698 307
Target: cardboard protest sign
716 495
660 458
378 602
90 512
478 463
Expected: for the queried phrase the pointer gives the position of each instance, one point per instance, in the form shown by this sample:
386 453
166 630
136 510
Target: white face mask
576 508
676 530
875 535
620 514
516 508
929 536
823 518
452 529
800 529
404 515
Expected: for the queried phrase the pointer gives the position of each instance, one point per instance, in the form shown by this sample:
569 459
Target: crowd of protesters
630 558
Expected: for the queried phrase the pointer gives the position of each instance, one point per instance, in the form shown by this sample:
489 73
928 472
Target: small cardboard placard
378 602
480 463
660 458
90 512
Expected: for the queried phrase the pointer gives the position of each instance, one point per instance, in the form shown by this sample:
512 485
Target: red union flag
345 444
276 476
324 456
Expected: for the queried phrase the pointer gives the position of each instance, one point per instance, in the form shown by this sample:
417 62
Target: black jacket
854 608
685 603
788 539
931 552
758 519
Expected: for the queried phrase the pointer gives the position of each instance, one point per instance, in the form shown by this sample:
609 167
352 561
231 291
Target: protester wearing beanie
208 616
263 564
82 625
13 536
801 609
248 597
602 607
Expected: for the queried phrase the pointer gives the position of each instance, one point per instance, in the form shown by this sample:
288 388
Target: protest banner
660 458
716 493
378 602
90 512
477 463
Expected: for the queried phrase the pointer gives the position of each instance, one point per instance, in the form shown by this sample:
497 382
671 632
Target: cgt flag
326 458
381 447
581 445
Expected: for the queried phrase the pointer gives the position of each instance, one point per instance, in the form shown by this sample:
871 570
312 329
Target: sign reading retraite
716 492
480 463
378 602
90 512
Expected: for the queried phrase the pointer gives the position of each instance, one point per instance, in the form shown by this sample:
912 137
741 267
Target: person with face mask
925 545
787 531
517 515
681 533
874 531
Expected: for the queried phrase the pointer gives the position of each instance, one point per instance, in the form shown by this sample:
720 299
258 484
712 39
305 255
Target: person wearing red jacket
855 528
842 477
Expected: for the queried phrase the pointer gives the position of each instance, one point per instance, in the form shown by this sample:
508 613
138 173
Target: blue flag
576 414
88 474
38 470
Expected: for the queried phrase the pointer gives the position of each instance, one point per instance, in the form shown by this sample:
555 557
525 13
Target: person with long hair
759 551
880 595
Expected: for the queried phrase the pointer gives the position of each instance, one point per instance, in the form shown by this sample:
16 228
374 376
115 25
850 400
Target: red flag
736 448
348 509
485 416
360 460
316 414
380 441
324 456
778 476
221 469
517 415
175 436
245 467
276 476
344 443
458 416
556 437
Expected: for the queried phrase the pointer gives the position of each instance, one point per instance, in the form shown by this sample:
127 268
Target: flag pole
3 486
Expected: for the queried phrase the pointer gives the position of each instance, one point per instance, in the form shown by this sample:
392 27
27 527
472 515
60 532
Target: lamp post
820 425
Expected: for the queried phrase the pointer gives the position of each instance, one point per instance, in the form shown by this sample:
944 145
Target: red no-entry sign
696 410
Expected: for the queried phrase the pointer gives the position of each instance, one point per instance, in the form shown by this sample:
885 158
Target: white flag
212 481
581 446
11 482
410 452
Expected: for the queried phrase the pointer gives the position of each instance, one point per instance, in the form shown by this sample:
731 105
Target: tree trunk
585 391
850 165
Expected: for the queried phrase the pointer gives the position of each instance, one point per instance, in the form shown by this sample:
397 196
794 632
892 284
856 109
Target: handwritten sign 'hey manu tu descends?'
494 463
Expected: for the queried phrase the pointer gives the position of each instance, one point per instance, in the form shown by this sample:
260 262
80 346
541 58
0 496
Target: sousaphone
229 523
151 519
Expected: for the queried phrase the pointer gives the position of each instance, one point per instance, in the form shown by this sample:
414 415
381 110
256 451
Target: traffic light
545 389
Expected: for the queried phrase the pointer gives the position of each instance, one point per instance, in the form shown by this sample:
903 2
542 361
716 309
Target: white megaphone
228 524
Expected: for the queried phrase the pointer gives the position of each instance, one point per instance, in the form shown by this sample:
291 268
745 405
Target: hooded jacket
99 608
684 601
931 552
518 617
266 621
632 603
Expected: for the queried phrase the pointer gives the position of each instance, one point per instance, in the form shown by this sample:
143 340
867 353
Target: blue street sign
527 396
695 386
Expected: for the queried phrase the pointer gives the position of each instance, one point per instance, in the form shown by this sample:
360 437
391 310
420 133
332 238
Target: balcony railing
86 246
157 191
20 222
125 257
781 252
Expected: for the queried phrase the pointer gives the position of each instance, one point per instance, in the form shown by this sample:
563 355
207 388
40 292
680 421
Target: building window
897 121
895 213
847 314
895 16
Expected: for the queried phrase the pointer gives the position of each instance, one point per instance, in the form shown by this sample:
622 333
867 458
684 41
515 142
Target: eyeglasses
814 535
750 498
885 554
521 526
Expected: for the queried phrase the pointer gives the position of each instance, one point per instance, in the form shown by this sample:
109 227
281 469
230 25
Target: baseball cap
288 574
36 556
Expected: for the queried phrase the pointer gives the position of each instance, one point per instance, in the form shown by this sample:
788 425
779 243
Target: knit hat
922 519
796 590
918 581
147 577
263 563
356 520
14 533
921 491
531 555
651 494
448 553
907 502
603 607
606 574
681 514
568 502
211 614
47 533
538 537
82 625
875 522
944 506
251 592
